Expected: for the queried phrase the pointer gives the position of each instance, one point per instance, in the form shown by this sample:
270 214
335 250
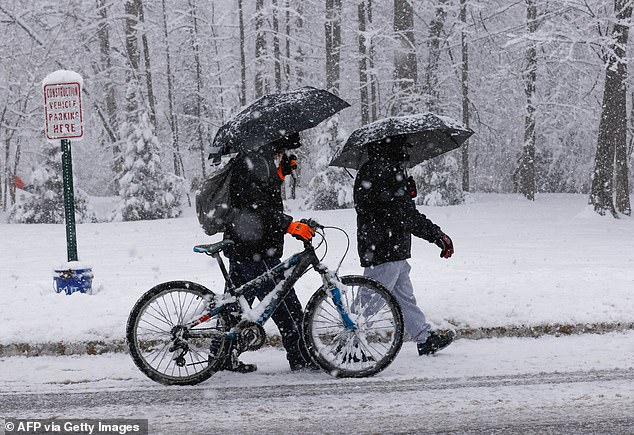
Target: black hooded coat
259 224
386 213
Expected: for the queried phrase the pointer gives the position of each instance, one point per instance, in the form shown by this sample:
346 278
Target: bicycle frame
286 274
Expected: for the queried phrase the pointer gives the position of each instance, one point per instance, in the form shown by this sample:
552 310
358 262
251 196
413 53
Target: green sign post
69 200
64 121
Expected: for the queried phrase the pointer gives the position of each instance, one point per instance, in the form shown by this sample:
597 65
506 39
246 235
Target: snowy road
493 386
569 402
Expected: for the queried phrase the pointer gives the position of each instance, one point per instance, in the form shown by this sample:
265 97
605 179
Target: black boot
231 362
435 342
304 366
239 367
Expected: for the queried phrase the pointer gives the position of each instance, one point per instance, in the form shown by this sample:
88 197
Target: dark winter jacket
386 214
259 223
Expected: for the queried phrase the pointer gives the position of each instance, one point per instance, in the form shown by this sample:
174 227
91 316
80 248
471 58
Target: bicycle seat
213 248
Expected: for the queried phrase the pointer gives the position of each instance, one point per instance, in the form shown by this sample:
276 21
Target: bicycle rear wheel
161 344
358 337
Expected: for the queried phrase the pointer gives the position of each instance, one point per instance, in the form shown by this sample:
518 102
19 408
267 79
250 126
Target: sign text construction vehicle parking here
62 103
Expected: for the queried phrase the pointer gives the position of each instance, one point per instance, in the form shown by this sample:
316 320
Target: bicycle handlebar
312 223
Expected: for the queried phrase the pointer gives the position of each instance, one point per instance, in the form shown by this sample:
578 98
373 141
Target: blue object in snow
70 281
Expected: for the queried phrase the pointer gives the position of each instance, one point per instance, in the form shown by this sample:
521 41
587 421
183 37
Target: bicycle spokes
176 335
357 329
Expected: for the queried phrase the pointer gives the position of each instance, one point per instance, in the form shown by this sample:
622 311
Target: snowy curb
119 346
539 330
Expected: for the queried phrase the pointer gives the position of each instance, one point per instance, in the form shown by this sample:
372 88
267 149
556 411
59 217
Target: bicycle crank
251 335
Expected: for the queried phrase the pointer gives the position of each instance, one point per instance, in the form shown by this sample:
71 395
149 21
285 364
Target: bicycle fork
332 283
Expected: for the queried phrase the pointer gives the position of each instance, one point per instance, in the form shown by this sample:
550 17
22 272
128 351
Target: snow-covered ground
569 384
516 263
463 359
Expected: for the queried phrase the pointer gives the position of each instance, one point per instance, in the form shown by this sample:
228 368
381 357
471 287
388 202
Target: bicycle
180 332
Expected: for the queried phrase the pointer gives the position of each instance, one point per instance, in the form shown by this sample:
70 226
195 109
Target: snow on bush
45 202
330 188
438 182
146 191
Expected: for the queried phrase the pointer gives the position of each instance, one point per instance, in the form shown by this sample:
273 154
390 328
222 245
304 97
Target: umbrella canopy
429 136
276 116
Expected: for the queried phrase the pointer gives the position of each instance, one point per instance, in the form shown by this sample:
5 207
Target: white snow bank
516 263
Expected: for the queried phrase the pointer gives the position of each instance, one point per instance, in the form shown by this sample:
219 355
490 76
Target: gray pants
395 276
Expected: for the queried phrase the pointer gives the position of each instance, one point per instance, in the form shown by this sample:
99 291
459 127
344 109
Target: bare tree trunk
176 154
243 64
276 47
430 81
333 45
363 64
621 182
613 123
199 87
148 68
103 34
374 83
7 174
260 51
287 41
8 193
16 163
3 181
464 81
132 51
218 64
299 56
526 170
621 177
405 68
287 71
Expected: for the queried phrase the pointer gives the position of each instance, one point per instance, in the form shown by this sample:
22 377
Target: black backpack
213 204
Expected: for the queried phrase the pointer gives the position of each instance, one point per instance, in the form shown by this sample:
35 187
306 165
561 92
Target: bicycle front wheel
163 342
354 330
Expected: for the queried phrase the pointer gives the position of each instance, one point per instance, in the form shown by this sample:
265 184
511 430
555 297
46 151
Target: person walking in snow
258 228
386 219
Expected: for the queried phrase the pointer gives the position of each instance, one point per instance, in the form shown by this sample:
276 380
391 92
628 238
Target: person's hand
411 187
287 165
445 244
301 231
311 223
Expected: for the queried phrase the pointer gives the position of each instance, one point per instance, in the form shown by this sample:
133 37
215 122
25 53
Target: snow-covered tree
45 201
437 184
330 189
146 190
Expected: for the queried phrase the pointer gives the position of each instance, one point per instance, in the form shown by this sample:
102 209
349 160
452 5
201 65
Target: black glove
443 241
288 164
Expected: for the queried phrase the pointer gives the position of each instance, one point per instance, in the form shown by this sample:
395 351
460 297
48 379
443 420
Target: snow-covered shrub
146 190
438 181
330 189
45 202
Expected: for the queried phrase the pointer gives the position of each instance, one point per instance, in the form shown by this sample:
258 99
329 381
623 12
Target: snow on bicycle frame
284 274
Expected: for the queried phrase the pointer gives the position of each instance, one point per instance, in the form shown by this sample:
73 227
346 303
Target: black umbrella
430 136
275 116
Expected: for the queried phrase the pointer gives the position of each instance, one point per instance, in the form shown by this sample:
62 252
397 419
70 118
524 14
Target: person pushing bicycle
258 230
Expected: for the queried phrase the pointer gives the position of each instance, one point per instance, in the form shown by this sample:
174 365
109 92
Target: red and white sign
62 103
